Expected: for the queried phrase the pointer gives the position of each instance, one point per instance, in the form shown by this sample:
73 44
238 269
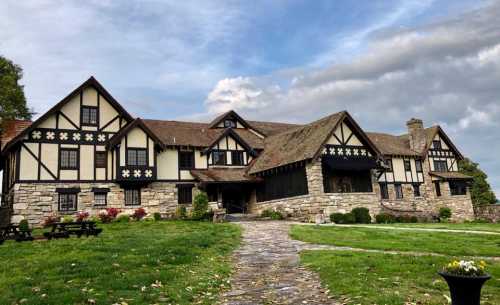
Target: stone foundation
488 212
37 201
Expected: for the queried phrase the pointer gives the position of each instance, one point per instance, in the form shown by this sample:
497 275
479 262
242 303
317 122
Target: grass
462 244
372 278
492 227
135 263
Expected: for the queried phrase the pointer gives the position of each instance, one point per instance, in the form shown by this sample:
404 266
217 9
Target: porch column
314 176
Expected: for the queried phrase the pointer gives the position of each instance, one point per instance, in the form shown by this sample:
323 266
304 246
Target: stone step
241 217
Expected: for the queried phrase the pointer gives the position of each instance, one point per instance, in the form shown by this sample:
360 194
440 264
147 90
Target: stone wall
427 205
488 212
36 201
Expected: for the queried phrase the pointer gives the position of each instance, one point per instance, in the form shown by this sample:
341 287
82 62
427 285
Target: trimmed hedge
445 213
385 218
340 218
361 215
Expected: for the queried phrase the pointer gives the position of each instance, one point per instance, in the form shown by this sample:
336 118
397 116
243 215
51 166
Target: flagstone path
267 269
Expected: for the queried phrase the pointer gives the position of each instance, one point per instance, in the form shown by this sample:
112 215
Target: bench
13 232
65 229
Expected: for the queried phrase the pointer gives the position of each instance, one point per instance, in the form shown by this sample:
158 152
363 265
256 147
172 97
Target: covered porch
230 188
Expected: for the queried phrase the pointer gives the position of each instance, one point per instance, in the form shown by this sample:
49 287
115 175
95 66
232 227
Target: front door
234 199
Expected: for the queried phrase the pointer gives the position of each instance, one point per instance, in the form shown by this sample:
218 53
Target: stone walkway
267 269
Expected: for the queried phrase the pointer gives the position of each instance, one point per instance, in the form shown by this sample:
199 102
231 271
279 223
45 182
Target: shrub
24 225
349 218
105 217
181 212
200 206
209 215
361 215
113 212
123 218
67 218
139 214
337 218
385 218
50 220
274 215
445 213
157 216
82 216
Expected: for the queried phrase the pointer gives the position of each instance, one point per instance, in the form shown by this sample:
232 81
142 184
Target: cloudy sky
294 61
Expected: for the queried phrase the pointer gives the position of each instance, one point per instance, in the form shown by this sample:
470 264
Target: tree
481 192
12 99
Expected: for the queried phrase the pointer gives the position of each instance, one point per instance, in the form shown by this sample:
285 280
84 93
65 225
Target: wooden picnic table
13 232
65 229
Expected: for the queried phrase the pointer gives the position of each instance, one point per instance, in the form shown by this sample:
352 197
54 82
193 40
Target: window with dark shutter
68 158
89 115
186 160
185 193
237 158
100 159
136 157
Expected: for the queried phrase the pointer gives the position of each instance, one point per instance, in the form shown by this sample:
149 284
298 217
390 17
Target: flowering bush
82 216
465 268
139 214
113 212
50 220
105 217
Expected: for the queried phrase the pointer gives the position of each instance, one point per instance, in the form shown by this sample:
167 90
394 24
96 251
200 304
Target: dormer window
89 116
229 124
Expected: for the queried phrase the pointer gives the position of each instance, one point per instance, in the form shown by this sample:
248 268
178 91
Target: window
437 186
458 188
229 124
219 157
416 190
68 158
407 165
89 115
398 188
440 166
100 159
384 192
185 193
436 144
389 165
136 157
132 196
237 158
100 198
186 160
418 165
67 202
283 184
344 181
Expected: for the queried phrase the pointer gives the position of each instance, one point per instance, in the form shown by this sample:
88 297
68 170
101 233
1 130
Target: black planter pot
465 290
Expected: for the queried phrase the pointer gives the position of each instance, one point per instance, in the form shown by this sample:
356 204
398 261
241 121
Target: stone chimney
416 134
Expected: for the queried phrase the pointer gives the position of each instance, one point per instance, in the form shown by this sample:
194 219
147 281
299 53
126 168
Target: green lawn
368 278
136 263
492 227
439 242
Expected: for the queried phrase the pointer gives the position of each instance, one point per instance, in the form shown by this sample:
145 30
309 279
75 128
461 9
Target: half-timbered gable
442 154
229 150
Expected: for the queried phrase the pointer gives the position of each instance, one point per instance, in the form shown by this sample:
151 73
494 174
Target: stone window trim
132 196
416 190
100 196
67 200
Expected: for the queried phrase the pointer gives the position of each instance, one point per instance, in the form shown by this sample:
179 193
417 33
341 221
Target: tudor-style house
88 153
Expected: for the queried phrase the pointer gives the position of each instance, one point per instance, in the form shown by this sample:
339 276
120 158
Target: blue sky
383 61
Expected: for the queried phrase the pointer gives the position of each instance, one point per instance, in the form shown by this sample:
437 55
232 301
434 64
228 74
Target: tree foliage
12 99
481 192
